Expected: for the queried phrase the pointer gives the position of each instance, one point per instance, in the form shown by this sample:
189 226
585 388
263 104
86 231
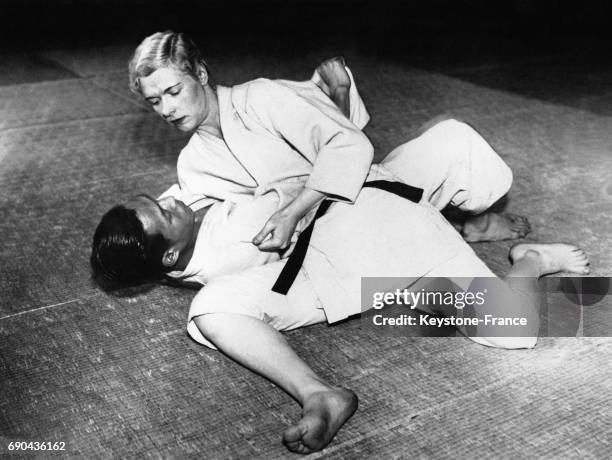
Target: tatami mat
76 99
19 68
116 376
90 61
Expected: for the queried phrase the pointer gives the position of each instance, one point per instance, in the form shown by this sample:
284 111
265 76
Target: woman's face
177 97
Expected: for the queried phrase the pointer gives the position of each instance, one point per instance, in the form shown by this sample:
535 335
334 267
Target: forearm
304 202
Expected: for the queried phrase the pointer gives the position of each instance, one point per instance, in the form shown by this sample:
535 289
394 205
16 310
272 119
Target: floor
117 376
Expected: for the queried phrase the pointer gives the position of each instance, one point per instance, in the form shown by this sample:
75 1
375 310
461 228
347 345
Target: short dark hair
122 254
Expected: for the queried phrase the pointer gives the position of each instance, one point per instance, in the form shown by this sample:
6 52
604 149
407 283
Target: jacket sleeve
340 154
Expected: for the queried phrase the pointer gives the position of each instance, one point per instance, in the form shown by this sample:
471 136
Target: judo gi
284 135
279 136
276 131
381 235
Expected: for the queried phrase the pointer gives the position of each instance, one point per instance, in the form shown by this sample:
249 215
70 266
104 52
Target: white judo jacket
276 134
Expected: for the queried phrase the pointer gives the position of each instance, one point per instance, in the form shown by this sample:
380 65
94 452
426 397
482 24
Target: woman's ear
170 257
203 75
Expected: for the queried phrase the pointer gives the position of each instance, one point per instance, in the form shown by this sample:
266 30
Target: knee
455 128
212 325
494 182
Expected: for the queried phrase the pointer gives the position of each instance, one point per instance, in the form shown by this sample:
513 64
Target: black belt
294 262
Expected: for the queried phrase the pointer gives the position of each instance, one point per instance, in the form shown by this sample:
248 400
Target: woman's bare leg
533 259
522 299
262 349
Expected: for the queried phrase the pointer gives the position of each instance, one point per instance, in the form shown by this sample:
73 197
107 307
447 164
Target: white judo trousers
451 162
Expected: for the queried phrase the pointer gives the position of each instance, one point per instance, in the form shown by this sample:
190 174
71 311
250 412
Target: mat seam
32 310
116 93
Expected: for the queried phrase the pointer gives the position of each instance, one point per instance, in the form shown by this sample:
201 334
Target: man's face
168 217
177 97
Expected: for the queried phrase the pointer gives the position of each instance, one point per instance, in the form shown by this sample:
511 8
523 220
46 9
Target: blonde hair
165 49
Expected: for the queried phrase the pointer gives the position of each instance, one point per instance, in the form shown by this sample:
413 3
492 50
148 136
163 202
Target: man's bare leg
262 349
336 83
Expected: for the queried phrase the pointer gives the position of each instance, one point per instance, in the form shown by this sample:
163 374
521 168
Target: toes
580 255
511 217
293 434
296 447
293 439
580 262
519 232
516 218
519 225
581 269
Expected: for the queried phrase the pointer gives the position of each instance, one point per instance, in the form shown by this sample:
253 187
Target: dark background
384 26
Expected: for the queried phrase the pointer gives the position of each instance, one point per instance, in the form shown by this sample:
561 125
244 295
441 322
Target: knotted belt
294 262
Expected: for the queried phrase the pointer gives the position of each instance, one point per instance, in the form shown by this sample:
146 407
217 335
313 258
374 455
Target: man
381 234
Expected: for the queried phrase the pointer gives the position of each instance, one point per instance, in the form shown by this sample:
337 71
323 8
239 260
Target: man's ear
170 257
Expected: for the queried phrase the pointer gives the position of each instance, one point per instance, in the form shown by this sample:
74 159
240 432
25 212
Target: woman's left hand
280 228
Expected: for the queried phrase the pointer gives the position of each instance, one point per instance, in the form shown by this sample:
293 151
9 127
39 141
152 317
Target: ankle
313 387
529 265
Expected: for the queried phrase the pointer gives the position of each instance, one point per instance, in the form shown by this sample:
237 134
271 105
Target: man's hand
281 225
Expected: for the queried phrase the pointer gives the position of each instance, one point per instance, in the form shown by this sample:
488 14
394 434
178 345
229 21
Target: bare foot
553 257
335 82
495 227
322 416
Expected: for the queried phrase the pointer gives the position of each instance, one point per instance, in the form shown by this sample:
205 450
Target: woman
290 136
254 136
